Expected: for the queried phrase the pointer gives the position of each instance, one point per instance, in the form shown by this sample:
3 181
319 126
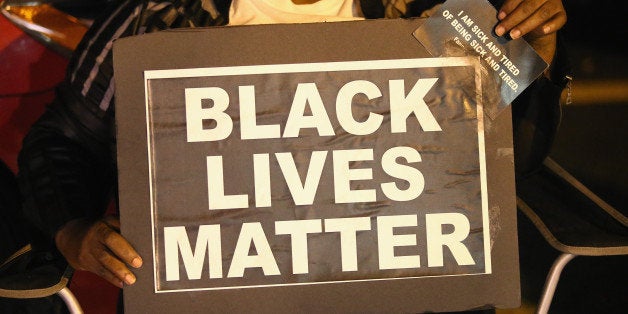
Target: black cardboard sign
326 172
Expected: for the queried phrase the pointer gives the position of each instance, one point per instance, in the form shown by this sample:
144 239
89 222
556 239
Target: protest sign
465 27
328 171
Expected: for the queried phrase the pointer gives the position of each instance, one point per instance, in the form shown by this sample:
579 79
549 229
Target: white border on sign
325 67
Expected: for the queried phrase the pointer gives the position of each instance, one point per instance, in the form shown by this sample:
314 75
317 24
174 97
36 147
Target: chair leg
70 301
552 281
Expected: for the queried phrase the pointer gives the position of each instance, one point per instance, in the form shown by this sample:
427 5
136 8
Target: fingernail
546 29
129 279
120 284
500 30
501 15
515 33
137 262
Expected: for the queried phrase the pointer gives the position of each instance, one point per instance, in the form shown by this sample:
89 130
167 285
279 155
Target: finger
94 265
109 276
507 8
551 26
121 248
116 267
513 18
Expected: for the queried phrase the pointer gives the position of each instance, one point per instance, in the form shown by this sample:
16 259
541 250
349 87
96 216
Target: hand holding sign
471 28
98 247
538 20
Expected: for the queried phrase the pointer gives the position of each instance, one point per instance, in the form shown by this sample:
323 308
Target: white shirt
246 12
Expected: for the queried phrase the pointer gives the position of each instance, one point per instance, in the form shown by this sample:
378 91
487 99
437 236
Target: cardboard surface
467 169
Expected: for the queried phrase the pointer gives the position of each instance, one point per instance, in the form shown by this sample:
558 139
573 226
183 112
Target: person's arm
67 174
67 165
67 168
536 112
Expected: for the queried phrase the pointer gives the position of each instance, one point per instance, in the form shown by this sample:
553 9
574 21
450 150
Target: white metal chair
29 275
26 273
572 219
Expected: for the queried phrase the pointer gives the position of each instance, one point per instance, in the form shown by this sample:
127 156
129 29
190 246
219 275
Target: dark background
591 144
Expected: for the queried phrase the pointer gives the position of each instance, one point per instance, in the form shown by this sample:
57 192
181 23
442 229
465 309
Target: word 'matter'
252 235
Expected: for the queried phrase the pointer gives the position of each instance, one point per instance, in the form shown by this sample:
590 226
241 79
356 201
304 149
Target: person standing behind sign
67 165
